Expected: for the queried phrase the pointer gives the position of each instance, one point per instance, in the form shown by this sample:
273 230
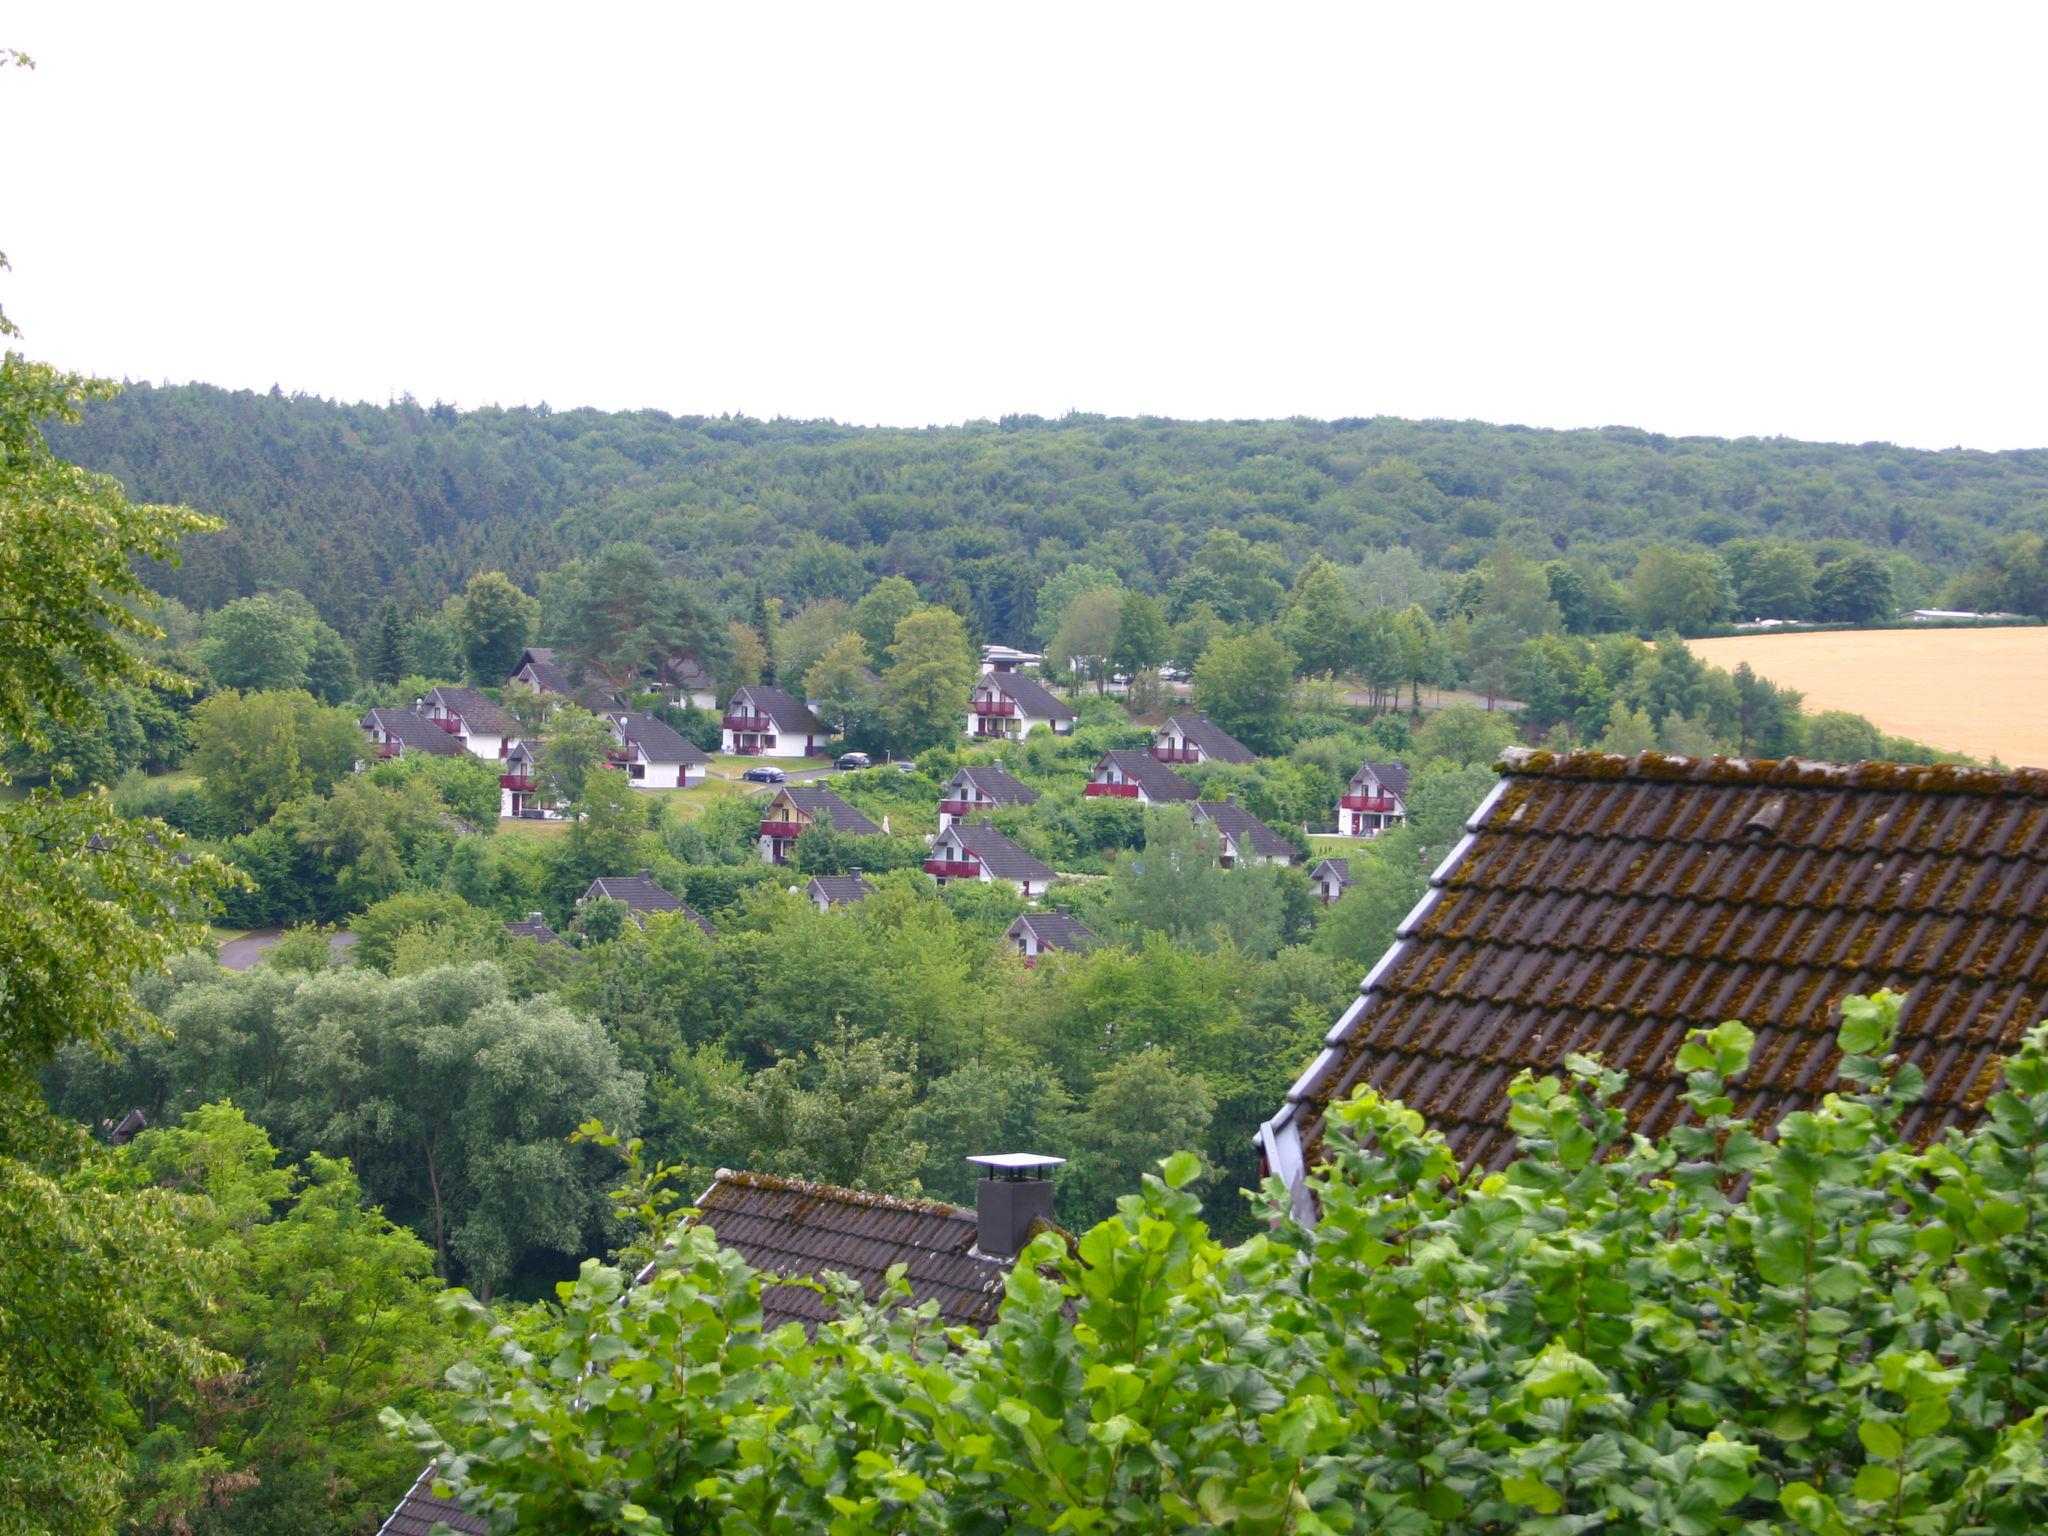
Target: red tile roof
1610 905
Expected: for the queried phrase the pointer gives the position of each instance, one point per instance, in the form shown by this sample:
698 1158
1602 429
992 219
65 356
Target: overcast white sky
1820 221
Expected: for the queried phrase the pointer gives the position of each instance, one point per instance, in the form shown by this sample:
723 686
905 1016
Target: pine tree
764 626
387 646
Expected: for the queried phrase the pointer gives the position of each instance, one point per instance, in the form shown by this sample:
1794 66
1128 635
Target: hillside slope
347 503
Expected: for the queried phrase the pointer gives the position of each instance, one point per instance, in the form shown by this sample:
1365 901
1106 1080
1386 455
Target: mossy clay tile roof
793 1227
1609 905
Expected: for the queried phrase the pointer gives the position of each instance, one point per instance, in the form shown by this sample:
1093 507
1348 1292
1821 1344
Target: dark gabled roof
790 1227
1341 868
419 1509
1031 696
1608 904
658 741
1393 776
839 890
789 714
641 892
1001 786
414 733
1055 930
1003 858
1157 780
483 717
703 922
549 675
815 801
1250 836
688 672
533 928
1215 742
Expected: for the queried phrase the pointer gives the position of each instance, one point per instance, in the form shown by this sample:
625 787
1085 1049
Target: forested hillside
351 504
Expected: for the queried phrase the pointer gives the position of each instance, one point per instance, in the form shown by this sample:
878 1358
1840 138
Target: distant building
524 790
1004 658
689 683
1198 739
975 850
1246 839
1331 878
766 722
642 894
1376 799
1137 776
828 891
472 719
1006 706
654 755
397 732
1035 933
533 926
795 807
976 791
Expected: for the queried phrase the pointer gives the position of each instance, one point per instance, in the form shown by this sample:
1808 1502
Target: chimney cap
646 873
1018 1165
853 870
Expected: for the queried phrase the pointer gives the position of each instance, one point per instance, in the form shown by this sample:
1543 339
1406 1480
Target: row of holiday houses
763 720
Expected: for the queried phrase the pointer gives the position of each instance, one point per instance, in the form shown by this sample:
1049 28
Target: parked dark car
764 775
855 760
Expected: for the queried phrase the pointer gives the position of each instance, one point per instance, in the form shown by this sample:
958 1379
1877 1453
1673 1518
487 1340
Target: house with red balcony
1137 776
654 756
472 719
1036 933
1246 839
796 807
524 789
1331 878
828 891
1007 706
396 732
1375 800
1196 738
977 791
689 681
766 722
975 850
542 669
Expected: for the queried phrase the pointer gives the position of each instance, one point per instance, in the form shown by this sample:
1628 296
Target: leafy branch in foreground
1829 1331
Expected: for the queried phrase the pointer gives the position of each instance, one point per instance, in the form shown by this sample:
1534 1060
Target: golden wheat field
1983 692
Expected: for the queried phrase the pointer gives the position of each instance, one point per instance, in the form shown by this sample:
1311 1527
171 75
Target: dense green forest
351 504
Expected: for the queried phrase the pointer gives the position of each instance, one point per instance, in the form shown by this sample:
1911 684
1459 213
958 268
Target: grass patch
178 778
1322 846
227 935
689 804
519 826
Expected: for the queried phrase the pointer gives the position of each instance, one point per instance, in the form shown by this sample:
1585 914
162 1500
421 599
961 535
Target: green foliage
1246 683
326 1309
1856 589
1464 735
931 672
843 1123
1837 736
1178 888
1683 590
884 606
496 621
1714 1333
1142 638
259 750
257 645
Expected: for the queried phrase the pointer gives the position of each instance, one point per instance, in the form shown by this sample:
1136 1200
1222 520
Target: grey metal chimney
1015 1190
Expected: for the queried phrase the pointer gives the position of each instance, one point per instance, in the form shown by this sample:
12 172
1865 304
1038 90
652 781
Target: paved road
240 954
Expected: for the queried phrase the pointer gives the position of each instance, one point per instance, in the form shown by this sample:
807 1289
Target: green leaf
1521 1488
1876 1482
1881 1440
1180 1170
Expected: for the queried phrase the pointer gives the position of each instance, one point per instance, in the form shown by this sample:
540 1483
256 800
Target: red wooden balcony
782 828
521 782
755 723
953 869
1119 791
1177 754
957 807
1382 803
995 706
388 749
447 723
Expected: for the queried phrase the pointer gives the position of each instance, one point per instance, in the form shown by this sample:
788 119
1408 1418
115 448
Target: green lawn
688 804
1323 847
180 778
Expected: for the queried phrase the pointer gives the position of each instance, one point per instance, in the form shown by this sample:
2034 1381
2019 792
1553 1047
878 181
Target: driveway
240 954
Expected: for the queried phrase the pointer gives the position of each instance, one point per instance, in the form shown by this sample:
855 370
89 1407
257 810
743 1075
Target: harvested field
1983 692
